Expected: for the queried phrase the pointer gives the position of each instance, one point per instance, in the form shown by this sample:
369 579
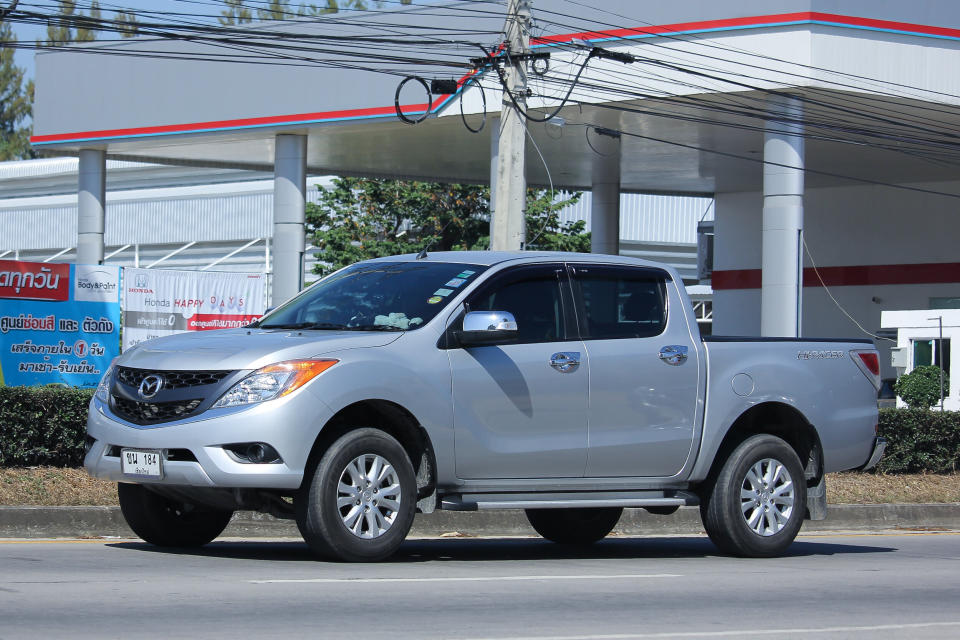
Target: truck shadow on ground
508 549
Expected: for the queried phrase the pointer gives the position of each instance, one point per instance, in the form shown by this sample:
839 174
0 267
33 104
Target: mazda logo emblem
150 386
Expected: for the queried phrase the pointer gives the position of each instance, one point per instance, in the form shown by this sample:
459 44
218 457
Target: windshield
375 296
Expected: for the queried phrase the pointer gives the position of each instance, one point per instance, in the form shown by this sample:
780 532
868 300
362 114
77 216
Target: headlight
273 381
103 389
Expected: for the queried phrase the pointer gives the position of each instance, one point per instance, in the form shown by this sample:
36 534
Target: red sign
34 280
210 321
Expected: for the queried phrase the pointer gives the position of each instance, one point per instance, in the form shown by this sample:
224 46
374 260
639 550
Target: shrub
43 426
920 440
920 388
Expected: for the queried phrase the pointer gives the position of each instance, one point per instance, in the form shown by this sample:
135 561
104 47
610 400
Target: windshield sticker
466 274
443 292
435 300
456 282
398 320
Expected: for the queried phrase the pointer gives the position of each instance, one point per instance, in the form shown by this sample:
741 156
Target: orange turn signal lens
303 371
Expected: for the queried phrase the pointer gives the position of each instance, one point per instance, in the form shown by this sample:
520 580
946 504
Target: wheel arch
397 421
777 419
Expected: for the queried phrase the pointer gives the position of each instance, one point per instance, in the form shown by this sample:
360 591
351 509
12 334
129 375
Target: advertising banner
160 302
59 323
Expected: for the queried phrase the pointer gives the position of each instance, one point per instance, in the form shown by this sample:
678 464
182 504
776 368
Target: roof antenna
434 239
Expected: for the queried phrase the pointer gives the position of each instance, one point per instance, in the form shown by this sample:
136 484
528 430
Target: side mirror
487 327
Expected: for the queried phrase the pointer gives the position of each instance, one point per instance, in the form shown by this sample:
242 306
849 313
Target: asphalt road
837 586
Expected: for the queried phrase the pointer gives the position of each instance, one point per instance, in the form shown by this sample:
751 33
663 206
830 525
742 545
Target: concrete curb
94 522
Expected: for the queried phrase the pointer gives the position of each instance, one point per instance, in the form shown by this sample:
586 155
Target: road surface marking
734 633
617 576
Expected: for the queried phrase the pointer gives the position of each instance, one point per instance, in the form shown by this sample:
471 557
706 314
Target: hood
244 348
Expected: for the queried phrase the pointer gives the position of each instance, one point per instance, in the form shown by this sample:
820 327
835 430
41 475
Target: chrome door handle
565 361
675 354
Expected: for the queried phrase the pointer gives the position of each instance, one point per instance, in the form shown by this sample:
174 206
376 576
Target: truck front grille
171 379
154 412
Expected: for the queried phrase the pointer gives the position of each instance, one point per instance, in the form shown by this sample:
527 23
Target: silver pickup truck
568 385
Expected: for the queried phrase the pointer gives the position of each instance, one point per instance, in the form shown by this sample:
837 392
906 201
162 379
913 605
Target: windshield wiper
292 325
331 326
375 327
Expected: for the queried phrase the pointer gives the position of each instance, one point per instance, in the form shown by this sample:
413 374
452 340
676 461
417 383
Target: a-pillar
289 202
782 264
605 191
91 198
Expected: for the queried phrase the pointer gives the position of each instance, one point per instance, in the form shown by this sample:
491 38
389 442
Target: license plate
141 463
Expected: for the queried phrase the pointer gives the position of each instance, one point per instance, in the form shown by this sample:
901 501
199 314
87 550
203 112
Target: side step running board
478 502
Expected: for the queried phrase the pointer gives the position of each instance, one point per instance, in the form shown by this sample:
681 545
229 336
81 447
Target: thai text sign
160 303
59 323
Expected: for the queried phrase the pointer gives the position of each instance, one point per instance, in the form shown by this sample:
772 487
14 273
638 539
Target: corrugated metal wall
232 211
651 218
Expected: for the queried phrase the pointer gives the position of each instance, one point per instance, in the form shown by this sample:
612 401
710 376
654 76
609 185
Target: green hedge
920 440
42 426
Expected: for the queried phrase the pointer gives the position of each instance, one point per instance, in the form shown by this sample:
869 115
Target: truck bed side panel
818 379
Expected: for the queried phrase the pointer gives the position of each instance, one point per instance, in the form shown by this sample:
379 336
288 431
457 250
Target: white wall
844 226
917 325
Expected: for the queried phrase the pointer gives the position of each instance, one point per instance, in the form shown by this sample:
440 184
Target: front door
519 412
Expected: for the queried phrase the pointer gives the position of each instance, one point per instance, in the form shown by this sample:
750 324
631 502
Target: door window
621 303
533 297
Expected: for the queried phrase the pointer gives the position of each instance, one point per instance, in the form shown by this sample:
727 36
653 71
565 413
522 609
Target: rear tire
167 523
359 503
581 526
756 504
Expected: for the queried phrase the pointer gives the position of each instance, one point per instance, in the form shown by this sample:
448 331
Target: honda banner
160 302
59 323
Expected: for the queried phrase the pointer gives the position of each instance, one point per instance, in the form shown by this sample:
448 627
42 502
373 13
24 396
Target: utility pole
508 222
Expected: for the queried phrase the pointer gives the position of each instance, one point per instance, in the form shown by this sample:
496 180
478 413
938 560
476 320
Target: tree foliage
16 99
920 388
361 218
127 23
237 12
71 25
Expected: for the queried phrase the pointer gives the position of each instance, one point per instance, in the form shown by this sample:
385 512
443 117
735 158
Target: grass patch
52 486
868 488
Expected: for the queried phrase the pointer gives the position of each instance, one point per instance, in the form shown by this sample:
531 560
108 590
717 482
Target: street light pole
940 357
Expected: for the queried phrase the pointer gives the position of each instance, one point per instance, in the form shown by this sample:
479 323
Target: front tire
359 504
580 526
167 523
755 506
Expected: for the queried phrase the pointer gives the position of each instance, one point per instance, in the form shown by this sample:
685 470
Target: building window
945 303
927 352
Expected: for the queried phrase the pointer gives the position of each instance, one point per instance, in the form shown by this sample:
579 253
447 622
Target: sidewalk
93 522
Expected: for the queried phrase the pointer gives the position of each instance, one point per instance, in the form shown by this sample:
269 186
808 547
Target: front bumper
879 446
290 425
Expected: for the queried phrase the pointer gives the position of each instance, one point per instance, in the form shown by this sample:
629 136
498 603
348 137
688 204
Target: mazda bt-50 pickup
568 385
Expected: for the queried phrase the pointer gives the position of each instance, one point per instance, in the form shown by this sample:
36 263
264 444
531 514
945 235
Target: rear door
643 370
517 415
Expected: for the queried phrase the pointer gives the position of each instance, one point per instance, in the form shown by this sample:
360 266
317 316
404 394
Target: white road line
617 576
734 633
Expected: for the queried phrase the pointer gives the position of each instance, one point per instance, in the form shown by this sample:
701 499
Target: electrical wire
553 192
835 301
